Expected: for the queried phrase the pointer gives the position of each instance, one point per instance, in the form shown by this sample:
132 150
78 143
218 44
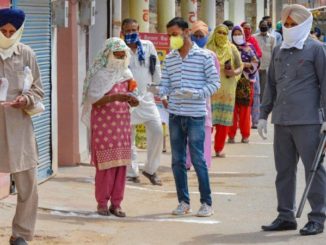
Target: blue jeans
183 128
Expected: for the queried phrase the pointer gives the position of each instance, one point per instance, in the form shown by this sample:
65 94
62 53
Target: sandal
153 178
104 211
117 212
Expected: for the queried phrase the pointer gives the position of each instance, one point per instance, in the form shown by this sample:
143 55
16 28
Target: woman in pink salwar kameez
108 95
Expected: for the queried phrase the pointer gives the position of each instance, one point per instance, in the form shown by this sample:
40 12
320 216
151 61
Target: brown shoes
117 212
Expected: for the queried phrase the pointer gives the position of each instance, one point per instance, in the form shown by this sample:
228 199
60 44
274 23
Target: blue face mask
201 42
131 38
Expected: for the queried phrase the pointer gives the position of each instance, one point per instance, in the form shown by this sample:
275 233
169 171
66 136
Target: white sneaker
205 211
182 209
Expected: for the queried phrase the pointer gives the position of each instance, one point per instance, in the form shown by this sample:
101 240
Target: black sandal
153 178
104 211
117 212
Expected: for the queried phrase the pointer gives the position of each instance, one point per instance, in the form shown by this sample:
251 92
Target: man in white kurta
18 151
144 55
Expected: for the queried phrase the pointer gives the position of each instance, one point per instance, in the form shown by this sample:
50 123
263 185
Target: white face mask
8 45
239 40
296 36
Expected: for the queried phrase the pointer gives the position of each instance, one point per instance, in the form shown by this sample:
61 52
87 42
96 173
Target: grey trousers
23 224
290 143
262 82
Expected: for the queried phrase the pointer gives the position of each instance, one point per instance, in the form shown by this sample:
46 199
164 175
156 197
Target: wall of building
97 36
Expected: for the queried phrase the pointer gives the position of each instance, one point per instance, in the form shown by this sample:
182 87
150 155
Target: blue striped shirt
197 71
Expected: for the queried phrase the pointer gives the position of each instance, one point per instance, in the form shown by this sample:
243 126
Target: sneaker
231 141
205 211
182 209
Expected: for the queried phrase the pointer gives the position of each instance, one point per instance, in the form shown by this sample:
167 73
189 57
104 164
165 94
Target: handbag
243 91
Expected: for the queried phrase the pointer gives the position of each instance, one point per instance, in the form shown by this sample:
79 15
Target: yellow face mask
176 42
221 39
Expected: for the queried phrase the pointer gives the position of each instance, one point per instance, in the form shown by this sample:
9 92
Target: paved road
244 199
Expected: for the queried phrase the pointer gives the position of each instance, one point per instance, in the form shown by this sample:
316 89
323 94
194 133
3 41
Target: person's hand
19 103
262 128
186 93
165 103
229 73
323 128
133 101
120 97
154 89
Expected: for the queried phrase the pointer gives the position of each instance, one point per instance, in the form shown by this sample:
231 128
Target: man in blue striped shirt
189 76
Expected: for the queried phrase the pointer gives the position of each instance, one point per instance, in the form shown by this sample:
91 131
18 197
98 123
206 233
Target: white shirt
147 109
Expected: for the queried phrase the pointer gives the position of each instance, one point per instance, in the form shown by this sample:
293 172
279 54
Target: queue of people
208 81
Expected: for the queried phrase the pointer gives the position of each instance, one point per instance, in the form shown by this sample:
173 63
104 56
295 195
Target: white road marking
93 215
248 156
174 192
212 172
260 143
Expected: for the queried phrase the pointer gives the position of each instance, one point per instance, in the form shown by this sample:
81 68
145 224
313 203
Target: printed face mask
176 42
131 38
221 39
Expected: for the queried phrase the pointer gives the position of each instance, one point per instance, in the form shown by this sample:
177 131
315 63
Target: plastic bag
3 89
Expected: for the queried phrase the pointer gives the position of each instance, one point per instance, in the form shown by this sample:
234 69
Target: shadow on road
259 237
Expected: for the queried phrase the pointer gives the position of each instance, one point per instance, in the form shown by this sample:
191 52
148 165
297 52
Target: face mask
201 42
297 35
238 40
6 43
221 39
131 38
247 33
269 24
176 42
263 29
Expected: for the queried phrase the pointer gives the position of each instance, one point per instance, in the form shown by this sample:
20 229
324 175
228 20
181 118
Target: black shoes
17 241
153 178
312 228
280 225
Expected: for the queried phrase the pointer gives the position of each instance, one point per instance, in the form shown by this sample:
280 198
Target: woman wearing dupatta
107 98
245 87
223 100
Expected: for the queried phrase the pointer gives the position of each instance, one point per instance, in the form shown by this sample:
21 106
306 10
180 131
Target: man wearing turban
17 142
296 94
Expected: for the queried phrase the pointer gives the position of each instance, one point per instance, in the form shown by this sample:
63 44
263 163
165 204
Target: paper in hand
4 84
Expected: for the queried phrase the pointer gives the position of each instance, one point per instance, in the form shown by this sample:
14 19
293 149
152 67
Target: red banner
4 4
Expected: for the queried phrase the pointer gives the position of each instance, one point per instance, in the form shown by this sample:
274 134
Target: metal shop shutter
37 34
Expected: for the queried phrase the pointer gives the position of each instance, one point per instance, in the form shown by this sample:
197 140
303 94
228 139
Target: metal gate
37 34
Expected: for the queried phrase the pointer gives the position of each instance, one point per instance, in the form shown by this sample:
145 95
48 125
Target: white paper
28 79
4 84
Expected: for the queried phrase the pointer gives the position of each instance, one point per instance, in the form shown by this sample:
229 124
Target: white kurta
147 109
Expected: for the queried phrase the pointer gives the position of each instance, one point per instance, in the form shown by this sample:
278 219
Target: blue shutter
37 34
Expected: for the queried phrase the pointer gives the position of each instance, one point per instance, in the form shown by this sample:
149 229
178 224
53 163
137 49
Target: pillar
237 11
189 11
165 12
68 106
116 18
139 10
125 13
208 12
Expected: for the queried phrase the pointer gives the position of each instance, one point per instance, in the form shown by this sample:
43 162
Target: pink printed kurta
110 137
